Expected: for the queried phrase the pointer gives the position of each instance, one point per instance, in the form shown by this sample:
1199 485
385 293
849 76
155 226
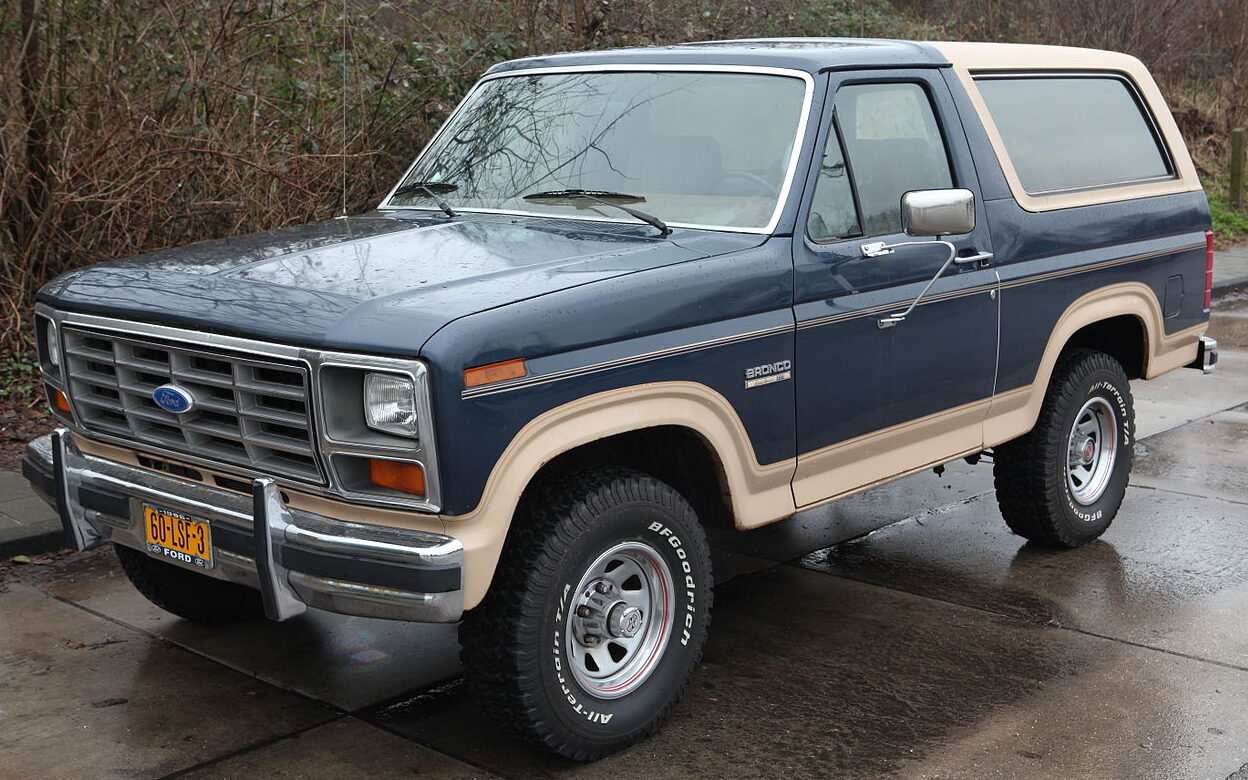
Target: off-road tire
1036 498
188 594
516 645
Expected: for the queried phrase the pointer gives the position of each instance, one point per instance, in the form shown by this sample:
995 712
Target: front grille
255 414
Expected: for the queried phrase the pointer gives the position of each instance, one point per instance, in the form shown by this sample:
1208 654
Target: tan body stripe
855 464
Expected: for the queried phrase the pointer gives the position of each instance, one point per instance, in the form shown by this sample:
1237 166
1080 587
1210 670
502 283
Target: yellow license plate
178 538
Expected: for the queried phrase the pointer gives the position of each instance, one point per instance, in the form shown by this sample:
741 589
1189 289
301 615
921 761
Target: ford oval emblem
174 399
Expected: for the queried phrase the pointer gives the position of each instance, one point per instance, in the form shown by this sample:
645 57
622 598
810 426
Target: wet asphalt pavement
934 644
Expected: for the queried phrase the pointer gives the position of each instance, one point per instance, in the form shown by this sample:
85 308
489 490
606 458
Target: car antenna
343 157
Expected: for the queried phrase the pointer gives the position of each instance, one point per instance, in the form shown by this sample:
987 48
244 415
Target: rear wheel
596 616
187 594
1062 483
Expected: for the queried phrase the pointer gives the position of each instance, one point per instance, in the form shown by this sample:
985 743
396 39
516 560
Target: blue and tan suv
618 297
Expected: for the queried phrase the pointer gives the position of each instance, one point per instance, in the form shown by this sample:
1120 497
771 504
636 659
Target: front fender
758 494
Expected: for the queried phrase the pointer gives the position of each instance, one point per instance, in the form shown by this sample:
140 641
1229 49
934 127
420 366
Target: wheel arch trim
757 493
1014 412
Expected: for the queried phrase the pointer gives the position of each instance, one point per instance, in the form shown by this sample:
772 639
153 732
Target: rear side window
1072 133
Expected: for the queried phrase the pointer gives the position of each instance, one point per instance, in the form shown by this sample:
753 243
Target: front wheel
1062 483
596 616
188 594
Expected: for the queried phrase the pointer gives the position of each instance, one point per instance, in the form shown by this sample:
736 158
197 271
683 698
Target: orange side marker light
495 372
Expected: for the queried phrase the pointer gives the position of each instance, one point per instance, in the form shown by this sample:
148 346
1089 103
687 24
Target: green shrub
1230 225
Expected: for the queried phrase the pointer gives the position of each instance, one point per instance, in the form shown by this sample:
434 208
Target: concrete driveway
938 645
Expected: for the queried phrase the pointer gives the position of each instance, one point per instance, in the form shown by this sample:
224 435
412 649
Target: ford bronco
619 296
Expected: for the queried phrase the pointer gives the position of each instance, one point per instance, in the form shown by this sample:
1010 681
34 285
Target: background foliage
131 126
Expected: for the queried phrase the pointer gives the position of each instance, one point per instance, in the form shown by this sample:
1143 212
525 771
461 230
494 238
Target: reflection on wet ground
901 633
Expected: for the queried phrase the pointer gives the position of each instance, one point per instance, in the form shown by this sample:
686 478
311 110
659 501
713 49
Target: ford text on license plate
178 538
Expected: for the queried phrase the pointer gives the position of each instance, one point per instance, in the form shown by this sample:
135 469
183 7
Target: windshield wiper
607 198
430 188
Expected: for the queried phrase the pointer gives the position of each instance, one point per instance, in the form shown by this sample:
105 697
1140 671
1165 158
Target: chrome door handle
982 258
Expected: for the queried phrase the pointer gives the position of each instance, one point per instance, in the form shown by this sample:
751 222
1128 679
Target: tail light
1208 269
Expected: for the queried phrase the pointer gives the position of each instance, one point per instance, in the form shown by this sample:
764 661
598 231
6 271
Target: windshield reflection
699 149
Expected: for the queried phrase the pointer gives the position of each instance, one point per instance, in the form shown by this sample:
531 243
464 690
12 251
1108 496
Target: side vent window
832 211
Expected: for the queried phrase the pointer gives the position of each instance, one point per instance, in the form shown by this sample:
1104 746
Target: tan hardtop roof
969 59
1026 56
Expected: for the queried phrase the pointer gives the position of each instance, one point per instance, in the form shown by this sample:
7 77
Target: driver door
875 402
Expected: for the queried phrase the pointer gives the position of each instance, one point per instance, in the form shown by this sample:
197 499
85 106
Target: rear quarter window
1074 133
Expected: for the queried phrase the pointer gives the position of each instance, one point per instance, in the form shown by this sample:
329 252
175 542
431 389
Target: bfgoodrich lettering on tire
596 616
1062 483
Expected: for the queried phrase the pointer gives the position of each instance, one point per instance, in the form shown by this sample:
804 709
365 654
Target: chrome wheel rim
619 620
1091 451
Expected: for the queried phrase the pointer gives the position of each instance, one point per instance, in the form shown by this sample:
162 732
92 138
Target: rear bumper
295 558
1206 355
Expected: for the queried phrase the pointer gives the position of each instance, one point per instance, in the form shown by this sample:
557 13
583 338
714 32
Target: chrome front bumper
295 558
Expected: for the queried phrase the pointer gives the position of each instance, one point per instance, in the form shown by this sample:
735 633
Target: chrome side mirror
938 212
930 213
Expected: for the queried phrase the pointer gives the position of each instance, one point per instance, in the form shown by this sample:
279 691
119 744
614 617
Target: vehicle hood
382 282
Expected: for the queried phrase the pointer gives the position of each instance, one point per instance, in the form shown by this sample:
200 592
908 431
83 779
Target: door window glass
884 142
894 146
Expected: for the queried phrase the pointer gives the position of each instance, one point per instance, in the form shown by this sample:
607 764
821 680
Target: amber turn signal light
494 372
60 402
396 475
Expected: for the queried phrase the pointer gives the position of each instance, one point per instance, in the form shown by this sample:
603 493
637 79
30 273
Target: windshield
697 149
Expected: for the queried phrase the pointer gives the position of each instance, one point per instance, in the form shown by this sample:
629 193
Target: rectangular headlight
54 346
390 404
49 346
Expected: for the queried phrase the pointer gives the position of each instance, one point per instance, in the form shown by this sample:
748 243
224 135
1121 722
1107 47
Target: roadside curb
28 526
37 544
1230 269
1230 286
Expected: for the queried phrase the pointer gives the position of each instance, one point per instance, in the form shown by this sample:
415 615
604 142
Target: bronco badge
768 374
